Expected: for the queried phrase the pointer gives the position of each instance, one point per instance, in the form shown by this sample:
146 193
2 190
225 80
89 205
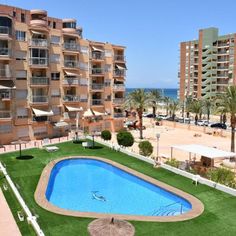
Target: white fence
191 176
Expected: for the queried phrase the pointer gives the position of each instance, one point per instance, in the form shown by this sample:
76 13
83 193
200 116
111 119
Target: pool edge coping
41 200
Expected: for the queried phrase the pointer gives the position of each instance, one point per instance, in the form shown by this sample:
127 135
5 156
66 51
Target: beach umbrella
110 227
19 142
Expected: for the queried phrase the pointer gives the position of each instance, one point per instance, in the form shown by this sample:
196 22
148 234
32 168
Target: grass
218 218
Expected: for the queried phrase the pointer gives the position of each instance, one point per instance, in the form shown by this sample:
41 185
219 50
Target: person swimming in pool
97 197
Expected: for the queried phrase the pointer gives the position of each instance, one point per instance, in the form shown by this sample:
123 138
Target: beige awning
37 32
97 49
74 108
71 74
61 124
6 87
121 67
39 113
91 113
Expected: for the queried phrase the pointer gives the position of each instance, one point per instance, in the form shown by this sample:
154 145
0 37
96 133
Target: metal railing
5 30
119 72
97 101
97 55
119 57
5 114
97 86
40 61
71 63
39 99
119 100
97 71
39 81
83 100
5 52
71 46
5 95
119 87
71 98
71 81
39 42
5 73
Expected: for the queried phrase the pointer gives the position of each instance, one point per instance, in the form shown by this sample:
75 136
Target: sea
165 92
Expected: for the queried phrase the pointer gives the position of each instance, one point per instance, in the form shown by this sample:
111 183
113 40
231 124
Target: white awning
97 49
6 87
71 74
205 151
74 108
37 32
91 113
61 124
121 67
39 113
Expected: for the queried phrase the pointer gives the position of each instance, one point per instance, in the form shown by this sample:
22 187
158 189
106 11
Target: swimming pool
90 185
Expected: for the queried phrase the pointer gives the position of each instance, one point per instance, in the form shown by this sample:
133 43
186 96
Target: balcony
118 115
5 30
39 99
5 115
97 55
119 73
71 63
5 52
119 87
118 100
5 73
97 71
39 42
71 46
71 98
119 57
70 82
95 86
38 61
39 81
5 95
97 102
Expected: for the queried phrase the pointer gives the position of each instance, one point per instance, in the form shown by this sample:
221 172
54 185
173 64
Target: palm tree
138 100
173 108
228 101
196 107
155 96
188 103
167 100
207 104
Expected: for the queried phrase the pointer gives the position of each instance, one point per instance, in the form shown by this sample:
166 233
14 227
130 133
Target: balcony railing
71 46
5 52
5 30
6 73
97 102
39 42
71 63
118 100
5 114
5 95
70 81
97 71
39 81
38 61
119 73
119 87
222 76
97 86
118 115
39 99
83 100
97 55
119 57
71 98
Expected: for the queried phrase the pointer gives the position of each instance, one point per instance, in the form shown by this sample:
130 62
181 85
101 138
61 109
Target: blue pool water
90 185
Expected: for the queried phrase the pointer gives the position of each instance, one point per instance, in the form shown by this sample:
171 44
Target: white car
203 123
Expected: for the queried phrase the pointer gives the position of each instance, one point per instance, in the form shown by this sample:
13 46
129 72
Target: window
23 132
14 14
83 98
55 39
40 130
108 68
21 94
20 35
83 66
107 83
84 49
5 128
108 53
21 74
49 23
83 82
22 113
54 25
69 25
56 111
55 76
55 92
55 58
20 55
22 17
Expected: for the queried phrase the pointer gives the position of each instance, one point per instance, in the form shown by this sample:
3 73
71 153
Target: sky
151 30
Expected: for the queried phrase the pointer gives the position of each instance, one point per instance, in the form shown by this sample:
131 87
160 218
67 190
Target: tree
106 135
166 101
155 97
228 102
196 107
138 100
145 148
188 103
173 108
207 104
125 138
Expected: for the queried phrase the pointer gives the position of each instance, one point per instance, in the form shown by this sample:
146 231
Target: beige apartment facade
53 81
207 65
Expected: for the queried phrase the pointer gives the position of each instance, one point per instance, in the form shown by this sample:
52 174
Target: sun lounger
20 215
52 149
87 144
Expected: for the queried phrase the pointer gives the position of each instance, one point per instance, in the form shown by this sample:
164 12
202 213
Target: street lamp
158 137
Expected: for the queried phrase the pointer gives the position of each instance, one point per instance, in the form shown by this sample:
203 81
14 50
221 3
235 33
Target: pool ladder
164 211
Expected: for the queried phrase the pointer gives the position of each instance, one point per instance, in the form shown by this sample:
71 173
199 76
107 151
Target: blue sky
151 30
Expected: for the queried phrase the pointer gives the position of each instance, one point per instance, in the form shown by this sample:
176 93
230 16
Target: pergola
204 151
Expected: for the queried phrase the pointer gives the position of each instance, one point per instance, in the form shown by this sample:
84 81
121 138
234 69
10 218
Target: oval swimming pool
91 185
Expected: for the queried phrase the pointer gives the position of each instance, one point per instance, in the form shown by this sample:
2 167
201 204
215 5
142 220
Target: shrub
222 176
173 162
145 148
106 135
125 138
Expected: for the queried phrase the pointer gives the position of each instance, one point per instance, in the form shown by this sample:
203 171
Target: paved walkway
8 226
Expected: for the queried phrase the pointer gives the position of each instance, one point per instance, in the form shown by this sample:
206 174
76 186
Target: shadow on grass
96 147
25 157
79 141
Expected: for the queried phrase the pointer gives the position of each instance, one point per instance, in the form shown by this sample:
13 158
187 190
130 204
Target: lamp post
158 137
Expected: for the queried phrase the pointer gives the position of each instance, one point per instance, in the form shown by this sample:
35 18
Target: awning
121 67
91 113
61 124
71 74
74 108
206 151
4 87
37 32
97 49
39 113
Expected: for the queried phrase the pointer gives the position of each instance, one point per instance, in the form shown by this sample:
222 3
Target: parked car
148 115
162 117
219 126
184 120
203 123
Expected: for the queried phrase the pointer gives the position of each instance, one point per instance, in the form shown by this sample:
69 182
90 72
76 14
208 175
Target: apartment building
207 65
50 77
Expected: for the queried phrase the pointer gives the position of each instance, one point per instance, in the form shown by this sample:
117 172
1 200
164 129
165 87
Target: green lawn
218 218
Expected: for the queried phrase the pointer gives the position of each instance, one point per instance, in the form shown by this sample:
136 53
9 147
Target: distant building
207 65
49 75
